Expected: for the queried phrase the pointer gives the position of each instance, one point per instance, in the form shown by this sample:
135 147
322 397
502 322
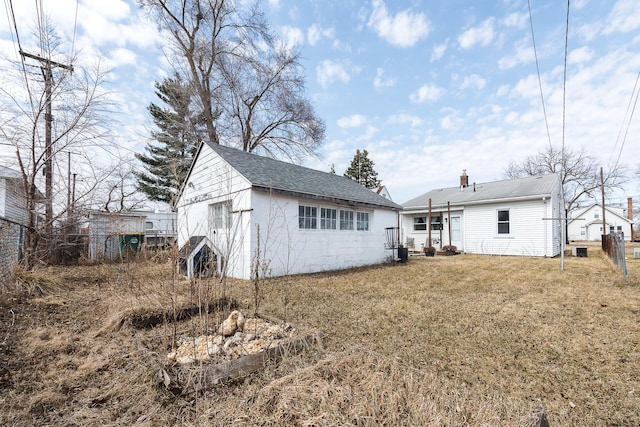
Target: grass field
458 341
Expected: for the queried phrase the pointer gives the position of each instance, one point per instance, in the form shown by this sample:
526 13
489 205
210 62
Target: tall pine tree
361 170
179 131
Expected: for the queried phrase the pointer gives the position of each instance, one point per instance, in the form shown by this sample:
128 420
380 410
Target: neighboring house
13 218
510 217
278 218
384 192
586 224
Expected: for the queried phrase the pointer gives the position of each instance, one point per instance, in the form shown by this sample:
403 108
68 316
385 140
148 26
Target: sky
428 88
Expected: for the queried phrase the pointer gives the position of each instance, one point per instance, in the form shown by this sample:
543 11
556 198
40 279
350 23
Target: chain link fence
613 245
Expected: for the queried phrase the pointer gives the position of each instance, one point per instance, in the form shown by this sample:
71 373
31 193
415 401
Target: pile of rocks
249 336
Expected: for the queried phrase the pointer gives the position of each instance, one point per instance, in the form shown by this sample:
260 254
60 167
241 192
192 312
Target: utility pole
604 223
47 66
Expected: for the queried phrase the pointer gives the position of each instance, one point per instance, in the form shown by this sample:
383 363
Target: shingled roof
488 192
274 175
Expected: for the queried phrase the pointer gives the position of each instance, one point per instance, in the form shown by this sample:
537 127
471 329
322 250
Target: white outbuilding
275 218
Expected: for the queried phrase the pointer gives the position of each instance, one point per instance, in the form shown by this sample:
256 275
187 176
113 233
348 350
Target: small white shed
276 218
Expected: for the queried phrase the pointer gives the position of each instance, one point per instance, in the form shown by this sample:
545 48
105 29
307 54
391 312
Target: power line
624 120
535 52
628 124
564 79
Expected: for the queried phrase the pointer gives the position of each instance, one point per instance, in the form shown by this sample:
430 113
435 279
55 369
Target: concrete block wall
11 237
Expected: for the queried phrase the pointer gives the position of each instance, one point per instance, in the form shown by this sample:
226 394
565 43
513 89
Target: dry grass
464 340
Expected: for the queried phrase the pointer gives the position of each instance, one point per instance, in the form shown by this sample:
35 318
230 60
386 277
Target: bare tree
48 107
580 173
249 85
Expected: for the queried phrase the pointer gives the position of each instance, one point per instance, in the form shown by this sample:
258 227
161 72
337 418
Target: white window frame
307 217
362 224
346 220
328 218
501 222
220 215
416 222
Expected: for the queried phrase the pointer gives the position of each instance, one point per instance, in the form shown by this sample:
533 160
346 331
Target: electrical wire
75 26
628 125
564 80
535 52
624 120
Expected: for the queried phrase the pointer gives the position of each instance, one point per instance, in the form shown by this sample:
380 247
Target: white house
280 218
586 224
510 217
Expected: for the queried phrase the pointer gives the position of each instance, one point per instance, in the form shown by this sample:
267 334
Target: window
220 215
148 225
583 231
611 229
307 217
436 223
327 219
596 215
619 228
362 221
503 222
346 220
420 223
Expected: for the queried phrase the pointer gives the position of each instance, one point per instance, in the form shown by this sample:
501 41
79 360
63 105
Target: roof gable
9 173
275 175
528 187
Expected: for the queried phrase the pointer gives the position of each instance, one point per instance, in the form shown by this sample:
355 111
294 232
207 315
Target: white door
456 232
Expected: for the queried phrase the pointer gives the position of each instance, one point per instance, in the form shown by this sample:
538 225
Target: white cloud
315 33
452 120
352 121
580 55
481 35
293 36
405 119
379 82
121 56
522 54
275 4
428 92
439 50
624 17
515 19
403 30
473 80
329 71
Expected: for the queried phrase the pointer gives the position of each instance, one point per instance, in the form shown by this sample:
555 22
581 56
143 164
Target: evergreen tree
361 170
180 130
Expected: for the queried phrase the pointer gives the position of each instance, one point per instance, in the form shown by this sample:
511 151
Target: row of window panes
583 230
420 223
332 219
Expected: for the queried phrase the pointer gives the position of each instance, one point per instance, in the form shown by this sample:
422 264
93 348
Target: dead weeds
463 340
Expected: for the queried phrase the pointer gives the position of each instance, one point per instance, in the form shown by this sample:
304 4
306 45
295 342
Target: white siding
213 181
591 220
12 201
530 234
289 250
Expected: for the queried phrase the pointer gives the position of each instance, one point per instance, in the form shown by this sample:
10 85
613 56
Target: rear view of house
510 217
275 218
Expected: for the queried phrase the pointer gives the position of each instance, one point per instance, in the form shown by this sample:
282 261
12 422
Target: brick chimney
464 179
